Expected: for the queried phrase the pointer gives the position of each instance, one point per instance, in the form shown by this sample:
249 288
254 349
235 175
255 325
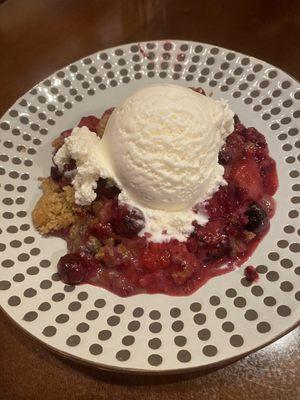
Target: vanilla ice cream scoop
160 147
163 144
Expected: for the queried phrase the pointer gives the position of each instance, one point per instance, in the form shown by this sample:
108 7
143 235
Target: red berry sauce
105 249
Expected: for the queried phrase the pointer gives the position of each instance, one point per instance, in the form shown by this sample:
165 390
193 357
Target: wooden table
38 37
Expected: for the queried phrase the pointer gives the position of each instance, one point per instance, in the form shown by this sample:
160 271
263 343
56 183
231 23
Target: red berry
252 135
72 268
245 174
127 221
91 122
233 148
100 230
251 274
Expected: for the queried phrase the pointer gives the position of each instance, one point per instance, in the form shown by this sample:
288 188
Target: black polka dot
236 340
73 341
284 311
257 291
286 286
49 331
155 327
231 293
128 340
58 297
240 302
45 306
251 315
30 316
133 326
221 313
82 327
123 355
228 326
184 356
62 318
138 312
204 334
269 301
74 306
19 277
154 343
209 350
95 349
272 276
154 314
263 327
199 318
286 263
30 292
100 303
5 285
46 284
113 320
214 300
175 312
154 360
82 296
104 335
180 340
195 307
92 315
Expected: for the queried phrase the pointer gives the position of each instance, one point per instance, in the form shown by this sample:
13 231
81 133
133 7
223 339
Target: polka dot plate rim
223 320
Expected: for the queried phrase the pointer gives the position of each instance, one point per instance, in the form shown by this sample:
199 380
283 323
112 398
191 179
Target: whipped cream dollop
160 147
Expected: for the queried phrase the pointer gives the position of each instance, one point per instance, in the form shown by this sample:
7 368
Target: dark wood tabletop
38 37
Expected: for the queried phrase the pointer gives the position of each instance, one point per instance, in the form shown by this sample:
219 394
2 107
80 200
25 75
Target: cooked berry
256 217
91 122
100 230
224 157
72 268
55 174
246 175
252 135
127 221
251 274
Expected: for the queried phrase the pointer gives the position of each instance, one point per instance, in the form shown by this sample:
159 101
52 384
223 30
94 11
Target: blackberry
256 218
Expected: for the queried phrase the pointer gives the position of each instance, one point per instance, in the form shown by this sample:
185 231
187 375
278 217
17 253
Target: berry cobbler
159 194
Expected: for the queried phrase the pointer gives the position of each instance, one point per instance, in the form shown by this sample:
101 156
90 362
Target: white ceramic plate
222 320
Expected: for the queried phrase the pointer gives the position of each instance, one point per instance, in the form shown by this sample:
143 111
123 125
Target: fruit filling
104 241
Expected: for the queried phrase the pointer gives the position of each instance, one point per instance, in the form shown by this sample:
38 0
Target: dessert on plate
159 194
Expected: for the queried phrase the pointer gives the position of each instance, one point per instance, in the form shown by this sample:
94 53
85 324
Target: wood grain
38 37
